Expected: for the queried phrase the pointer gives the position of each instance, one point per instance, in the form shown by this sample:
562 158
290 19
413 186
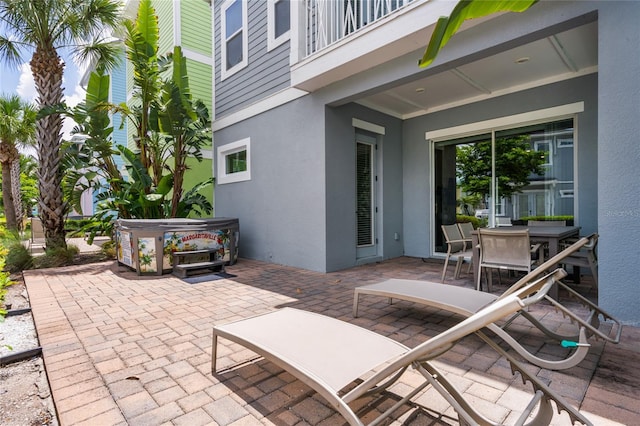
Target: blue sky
18 80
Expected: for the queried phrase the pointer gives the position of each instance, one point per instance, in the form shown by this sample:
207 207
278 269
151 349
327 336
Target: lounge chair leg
214 353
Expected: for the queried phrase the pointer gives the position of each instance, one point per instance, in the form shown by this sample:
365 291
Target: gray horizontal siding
266 73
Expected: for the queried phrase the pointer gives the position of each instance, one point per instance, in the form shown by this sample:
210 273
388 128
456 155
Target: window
234 37
544 148
234 162
513 172
278 14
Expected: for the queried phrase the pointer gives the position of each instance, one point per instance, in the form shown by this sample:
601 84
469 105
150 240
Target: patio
122 349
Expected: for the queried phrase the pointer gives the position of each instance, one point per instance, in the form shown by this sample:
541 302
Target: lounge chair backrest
510 249
550 263
500 309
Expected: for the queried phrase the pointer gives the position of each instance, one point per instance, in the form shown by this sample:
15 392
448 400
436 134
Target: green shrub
527 218
5 281
53 258
18 259
108 248
474 220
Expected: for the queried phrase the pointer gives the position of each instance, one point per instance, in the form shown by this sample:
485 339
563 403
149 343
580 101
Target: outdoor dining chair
504 250
456 246
466 228
585 258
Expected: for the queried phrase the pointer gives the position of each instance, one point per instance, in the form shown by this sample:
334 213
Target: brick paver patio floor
121 349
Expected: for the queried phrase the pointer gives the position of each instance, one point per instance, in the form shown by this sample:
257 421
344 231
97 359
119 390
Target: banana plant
447 26
168 127
185 122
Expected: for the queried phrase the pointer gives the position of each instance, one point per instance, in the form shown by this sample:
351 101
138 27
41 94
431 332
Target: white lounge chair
466 302
343 362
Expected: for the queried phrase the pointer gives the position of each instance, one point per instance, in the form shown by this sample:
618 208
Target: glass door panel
517 173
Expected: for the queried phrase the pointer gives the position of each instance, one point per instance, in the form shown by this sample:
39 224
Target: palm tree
17 120
46 28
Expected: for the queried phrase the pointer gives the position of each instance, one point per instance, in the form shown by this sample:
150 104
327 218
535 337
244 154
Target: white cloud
72 100
26 86
27 91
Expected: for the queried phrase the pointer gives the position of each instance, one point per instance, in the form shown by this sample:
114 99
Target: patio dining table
551 235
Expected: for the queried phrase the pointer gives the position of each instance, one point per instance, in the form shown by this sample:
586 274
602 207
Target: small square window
279 22
234 162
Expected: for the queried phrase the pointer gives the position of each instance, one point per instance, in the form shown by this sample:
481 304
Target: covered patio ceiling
562 56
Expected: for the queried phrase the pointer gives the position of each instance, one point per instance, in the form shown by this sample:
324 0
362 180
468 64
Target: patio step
186 263
186 269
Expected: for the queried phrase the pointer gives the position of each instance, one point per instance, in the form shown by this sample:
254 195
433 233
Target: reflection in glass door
520 173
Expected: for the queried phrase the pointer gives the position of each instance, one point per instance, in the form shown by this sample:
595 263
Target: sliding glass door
513 174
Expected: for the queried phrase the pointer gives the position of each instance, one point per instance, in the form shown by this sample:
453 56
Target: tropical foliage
17 123
42 29
169 127
5 280
447 26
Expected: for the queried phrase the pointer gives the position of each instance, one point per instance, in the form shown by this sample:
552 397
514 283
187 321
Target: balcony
333 39
327 22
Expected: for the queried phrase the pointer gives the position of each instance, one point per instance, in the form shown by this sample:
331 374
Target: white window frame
224 72
272 40
221 154
539 146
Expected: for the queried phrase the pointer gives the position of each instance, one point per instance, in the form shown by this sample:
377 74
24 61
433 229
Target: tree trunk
7 198
47 69
15 191
7 195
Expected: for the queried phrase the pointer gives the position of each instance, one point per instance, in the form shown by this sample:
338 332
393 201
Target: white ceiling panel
562 56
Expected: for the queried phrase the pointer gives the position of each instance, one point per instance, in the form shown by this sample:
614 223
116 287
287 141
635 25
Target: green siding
199 172
195 21
200 82
164 11
196 36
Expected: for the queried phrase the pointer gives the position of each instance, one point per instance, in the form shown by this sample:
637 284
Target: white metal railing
328 21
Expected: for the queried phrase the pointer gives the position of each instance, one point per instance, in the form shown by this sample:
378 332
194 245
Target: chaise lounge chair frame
466 302
344 362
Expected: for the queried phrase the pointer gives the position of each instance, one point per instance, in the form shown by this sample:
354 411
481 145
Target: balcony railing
329 21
